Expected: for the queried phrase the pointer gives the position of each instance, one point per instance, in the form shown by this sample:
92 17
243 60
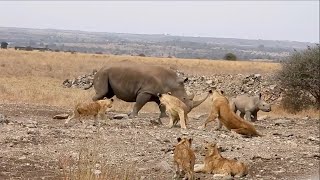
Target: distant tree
28 48
230 57
142 55
4 45
300 77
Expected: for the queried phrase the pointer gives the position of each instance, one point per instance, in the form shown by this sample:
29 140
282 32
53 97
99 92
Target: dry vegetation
36 77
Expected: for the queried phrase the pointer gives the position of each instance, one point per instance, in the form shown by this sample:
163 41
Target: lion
221 110
214 163
184 158
176 109
96 109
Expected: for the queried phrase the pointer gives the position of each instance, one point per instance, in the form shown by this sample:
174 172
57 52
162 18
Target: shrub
230 56
142 55
299 77
4 45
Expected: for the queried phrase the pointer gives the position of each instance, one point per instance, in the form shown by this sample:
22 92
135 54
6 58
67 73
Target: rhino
140 83
249 106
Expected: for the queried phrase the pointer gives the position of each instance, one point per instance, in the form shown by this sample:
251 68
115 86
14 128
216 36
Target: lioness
176 109
184 158
96 108
221 109
214 163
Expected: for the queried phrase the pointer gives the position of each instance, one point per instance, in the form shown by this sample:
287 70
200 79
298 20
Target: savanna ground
35 146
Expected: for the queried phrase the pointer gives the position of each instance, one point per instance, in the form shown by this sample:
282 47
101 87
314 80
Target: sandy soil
35 146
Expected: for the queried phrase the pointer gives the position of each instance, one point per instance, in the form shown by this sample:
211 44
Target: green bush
299 77
230 56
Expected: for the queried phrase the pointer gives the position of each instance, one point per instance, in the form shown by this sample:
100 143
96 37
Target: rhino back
246 103
129 79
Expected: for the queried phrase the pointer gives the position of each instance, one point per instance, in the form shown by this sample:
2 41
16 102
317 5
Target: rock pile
235 84
82 81
231 84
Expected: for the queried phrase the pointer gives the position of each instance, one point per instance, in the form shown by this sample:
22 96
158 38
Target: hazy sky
274 20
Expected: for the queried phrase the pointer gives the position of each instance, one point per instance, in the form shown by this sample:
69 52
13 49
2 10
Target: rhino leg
162 111
141 100
242 115
248 116
254 118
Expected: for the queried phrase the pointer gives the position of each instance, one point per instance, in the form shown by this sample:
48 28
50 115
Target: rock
121 116
31 124
96 172
61 116
22 157
33 132
257 76
310 138
201 116
306 118
209 82
281 121
3 119
264 117
163 166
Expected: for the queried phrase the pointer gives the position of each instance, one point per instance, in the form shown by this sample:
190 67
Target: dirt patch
35 146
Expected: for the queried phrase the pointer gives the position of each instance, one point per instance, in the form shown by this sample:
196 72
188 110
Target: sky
268 20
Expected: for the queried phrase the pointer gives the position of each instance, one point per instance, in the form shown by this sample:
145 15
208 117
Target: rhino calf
249 106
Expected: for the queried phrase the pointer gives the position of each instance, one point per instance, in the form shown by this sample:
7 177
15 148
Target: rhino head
263 105
188 99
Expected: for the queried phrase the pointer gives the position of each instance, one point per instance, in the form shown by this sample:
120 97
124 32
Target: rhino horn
197 103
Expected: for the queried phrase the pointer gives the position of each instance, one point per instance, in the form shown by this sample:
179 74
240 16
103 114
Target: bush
230 56
299 77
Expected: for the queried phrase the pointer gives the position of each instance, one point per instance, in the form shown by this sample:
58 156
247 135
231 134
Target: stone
310 138
264 117
209 82
281 121
163 166
121 116
3 119
61 116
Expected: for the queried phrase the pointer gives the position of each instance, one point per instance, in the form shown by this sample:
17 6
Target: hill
155 45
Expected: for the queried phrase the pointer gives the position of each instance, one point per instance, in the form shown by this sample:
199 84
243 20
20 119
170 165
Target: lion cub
176 109
214 163
96 108
221 109
184 158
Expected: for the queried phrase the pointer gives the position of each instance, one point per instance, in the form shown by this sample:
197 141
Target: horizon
157 34
296 21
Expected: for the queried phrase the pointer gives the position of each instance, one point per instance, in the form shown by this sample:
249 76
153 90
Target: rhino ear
179 139
169 93
190 140
181 80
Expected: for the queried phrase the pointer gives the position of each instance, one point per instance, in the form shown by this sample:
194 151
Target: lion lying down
214 163
221 109
96 108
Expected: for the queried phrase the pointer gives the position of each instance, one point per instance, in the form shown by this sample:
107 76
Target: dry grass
88 164
36 77
65 65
